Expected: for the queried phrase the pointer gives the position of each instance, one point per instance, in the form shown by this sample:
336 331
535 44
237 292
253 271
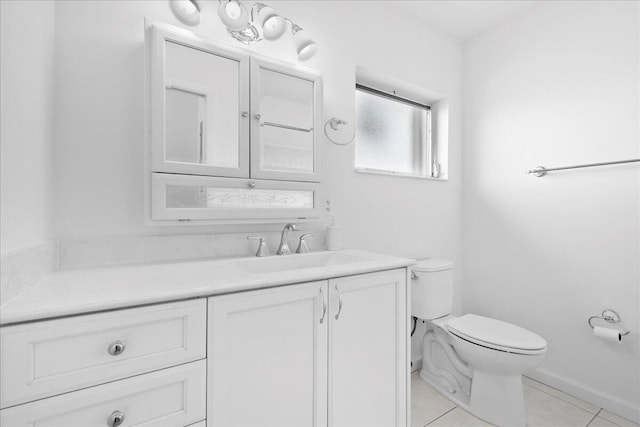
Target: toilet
475 361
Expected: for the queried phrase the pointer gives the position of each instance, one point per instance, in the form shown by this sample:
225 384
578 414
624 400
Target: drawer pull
116 348
115 419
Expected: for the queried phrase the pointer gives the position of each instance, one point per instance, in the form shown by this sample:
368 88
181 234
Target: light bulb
187 7
232 9
233 15
187 11
272 24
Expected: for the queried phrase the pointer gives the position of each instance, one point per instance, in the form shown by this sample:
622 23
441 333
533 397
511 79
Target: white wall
26 134
99 188
557 86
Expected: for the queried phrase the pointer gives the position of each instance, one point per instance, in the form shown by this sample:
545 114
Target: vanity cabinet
324 353
218 112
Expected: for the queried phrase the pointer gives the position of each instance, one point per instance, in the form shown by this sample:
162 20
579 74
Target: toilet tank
432 288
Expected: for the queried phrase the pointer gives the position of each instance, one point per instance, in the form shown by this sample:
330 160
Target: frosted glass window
392 134
201 197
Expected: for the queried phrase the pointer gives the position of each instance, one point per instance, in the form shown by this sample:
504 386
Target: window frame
430 146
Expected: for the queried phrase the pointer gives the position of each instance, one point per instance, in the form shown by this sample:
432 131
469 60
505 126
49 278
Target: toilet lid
496 334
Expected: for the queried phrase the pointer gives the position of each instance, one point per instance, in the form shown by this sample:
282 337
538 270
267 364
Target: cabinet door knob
339 303
116 348
258 116
245 114
115 419
251 184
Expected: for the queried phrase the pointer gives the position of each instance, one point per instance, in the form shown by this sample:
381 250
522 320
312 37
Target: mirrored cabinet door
200 103
285 107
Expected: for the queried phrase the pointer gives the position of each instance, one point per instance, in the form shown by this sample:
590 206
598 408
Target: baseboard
613 404
416 364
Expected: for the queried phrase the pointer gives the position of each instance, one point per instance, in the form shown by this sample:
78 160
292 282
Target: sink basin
278 263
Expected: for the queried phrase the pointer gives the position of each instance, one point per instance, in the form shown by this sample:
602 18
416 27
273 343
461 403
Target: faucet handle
302 246
262 246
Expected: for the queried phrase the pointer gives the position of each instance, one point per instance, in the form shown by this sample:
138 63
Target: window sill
398 174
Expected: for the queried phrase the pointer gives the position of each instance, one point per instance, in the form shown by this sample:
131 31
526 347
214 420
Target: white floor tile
426 403
459 418
545 410
561 395
617 420
601 422
546 407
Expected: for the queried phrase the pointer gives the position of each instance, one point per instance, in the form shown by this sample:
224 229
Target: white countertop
71 292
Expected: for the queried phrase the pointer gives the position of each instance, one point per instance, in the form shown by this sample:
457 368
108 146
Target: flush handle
116 348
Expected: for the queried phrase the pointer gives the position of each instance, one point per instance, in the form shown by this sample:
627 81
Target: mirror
201 107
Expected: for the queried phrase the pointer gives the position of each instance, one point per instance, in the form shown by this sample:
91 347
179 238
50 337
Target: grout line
559 398
594 417
440 416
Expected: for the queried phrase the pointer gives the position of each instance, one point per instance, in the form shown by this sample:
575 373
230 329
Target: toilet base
456 395
498 399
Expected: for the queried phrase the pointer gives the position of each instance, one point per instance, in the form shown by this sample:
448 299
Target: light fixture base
248 35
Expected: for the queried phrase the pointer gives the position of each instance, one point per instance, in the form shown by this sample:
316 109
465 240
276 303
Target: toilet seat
496 335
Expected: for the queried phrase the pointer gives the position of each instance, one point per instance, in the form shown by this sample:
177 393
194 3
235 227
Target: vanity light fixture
187 11
262 23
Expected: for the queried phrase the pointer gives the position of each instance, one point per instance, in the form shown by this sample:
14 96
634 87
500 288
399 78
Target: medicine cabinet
232 135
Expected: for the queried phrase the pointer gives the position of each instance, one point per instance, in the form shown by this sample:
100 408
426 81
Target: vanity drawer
46 358
173 397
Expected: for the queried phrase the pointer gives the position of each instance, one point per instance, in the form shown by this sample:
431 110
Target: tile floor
546 407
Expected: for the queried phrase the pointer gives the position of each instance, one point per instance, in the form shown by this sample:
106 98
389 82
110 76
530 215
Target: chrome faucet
283 249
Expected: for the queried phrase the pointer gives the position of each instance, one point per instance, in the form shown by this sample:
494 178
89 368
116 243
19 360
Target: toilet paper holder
610 316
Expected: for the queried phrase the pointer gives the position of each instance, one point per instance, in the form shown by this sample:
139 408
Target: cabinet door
199 106
267 357
285 106
368 350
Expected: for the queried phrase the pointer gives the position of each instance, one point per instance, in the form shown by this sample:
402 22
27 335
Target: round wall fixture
187 11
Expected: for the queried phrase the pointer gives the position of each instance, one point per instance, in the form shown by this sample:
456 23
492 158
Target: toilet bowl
475 361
